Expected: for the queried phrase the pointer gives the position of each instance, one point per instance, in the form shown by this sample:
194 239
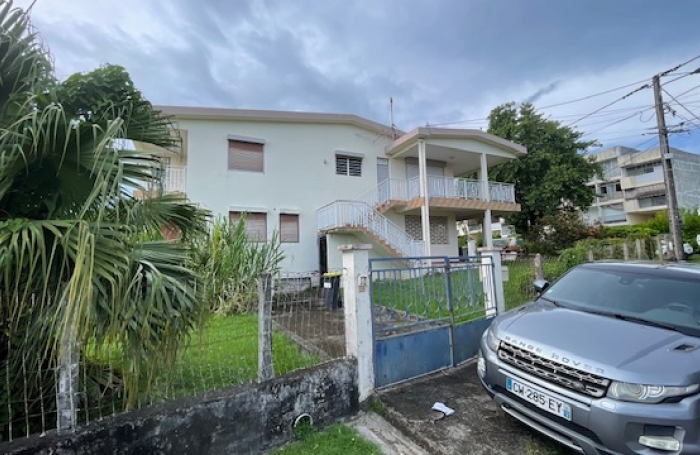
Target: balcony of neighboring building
613 215
648 205
643 175
609 193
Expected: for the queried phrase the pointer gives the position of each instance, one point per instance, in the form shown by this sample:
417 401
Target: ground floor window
289 228
255 224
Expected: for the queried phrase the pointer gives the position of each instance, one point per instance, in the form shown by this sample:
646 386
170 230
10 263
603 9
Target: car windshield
662 299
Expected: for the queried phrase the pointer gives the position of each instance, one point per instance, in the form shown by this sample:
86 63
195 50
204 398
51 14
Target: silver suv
606 360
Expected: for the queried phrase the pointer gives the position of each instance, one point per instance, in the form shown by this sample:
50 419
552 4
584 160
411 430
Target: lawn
425 295
334 440
226 353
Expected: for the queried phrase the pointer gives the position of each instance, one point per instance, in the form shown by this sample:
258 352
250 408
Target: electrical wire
682 105
639 89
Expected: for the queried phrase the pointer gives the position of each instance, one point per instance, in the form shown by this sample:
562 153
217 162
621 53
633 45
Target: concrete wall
686 171
241 420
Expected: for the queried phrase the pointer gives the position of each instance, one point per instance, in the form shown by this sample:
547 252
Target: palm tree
83 267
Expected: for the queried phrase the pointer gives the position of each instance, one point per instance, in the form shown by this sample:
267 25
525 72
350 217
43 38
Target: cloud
442 62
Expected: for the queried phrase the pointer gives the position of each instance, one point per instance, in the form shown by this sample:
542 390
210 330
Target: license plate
539 399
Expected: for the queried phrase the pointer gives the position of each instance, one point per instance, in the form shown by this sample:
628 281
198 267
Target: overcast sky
443 61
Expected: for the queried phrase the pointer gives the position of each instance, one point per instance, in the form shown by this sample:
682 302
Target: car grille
557 373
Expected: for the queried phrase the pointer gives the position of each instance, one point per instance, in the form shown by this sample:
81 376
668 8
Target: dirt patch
477 427
317 329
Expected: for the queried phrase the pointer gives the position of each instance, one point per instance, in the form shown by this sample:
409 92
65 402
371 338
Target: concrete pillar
493 286
423 185
471 248
359 341
486 195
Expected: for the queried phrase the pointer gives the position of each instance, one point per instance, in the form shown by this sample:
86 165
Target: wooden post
591 255
265 370
626 251
539 271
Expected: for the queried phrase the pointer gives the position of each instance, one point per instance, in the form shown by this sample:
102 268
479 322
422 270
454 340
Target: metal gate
428 316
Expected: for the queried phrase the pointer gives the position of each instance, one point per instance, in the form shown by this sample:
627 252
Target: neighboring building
632 189
325 180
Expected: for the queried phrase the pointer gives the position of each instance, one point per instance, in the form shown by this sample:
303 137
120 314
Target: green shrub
230 264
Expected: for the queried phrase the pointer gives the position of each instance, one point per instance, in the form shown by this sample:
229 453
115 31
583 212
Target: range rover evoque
606 360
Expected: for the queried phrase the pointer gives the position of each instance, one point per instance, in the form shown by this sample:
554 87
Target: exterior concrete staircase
358 216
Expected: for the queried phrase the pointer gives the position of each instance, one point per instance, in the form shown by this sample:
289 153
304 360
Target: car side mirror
541 286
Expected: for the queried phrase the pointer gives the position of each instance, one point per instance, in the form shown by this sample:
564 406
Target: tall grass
230 263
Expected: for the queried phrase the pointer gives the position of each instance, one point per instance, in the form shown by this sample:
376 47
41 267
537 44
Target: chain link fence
522 272
297 325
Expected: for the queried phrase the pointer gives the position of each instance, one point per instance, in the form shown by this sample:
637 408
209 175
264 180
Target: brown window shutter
245 156
289 228
255 225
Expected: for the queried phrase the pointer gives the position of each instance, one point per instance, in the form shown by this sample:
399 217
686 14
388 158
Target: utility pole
667 161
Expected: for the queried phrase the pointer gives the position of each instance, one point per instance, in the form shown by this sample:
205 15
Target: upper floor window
348 165
245 156
610 169
642 169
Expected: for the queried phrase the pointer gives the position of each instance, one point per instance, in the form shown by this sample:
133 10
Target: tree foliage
77 251
560 231
552 175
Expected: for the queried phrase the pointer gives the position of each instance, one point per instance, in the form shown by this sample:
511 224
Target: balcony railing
447 187
353 214
457 188
611 196
174 179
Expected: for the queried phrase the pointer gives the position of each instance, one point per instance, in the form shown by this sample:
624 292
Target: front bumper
598 426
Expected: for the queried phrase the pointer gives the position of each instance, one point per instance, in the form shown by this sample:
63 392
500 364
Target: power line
684 75
683 106
639 89
592 96
549 106
677 67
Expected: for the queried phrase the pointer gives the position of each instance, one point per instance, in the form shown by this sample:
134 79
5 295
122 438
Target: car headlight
640 393
492 340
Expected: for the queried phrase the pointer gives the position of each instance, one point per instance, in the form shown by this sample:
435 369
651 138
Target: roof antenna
391 114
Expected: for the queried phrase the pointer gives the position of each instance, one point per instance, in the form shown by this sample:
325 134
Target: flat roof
214 113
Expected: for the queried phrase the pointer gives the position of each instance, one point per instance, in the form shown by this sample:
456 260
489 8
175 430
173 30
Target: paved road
476 427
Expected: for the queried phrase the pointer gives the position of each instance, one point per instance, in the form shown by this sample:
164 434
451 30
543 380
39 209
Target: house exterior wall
299 174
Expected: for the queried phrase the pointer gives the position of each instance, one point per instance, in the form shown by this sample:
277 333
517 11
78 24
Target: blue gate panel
402 357
467 337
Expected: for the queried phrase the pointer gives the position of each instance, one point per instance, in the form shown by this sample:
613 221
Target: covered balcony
447 171
462 195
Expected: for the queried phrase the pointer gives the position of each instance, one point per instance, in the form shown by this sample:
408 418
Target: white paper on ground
440 407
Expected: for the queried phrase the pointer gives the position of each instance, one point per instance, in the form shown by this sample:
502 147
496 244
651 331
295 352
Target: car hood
613 348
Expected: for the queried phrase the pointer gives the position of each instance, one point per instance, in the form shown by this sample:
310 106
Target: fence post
497 288
67 396
626 251
638 247
471 248
591 255
265 370
359 339
539 271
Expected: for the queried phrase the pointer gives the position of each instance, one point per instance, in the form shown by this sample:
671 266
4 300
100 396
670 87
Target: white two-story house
324 180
